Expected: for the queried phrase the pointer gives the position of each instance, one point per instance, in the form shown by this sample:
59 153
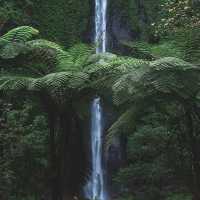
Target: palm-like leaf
60 86
20 34
105 73
168 77
14 84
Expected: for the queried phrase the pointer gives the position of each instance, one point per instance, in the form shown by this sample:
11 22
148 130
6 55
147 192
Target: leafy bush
23 152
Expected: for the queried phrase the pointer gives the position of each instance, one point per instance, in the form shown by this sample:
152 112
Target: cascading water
100 25
95 188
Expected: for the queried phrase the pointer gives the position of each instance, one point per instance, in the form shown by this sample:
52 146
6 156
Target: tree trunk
65 130
53 172
66 155
196 171
192 126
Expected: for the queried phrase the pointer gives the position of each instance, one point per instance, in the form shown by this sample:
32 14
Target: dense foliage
23 144
46 89
176 15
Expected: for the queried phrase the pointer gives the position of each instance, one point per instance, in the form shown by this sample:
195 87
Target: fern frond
51 82
67 80
128 85
80 52
60 86
104 74
20 34
14 84
44 43
3 42
46 52
75 58
44 59
71 60
170 63
12 50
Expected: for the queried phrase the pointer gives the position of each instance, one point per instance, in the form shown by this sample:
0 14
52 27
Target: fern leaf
14 84
20 34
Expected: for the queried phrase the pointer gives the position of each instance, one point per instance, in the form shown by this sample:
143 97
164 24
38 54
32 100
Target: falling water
95 189
100 25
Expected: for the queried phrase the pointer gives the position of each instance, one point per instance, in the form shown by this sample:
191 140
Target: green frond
80 51
129 64
105 73
128 85
46 52
3 42
12 50
20 34
60 86
168 78
52 54
164 76
64 79
43 59
44 43
75 58
121 64
169 75
14 84
39 55
170 63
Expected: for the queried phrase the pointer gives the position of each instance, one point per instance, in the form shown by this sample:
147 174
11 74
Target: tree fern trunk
192 126
53 172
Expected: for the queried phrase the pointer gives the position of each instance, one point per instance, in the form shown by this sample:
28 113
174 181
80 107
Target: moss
63 21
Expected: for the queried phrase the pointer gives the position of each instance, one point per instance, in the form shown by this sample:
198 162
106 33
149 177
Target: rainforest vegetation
149 83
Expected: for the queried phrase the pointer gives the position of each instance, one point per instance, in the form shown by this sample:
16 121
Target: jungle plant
62 79
36 68
163 81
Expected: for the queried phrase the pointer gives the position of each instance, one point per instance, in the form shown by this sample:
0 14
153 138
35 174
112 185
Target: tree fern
60 86
12 50
20 34
169 78
105 73
14 84
170 63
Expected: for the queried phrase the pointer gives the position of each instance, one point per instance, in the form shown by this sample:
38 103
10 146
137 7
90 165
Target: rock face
118 29
129 21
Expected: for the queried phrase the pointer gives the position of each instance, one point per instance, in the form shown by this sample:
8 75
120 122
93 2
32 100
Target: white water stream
100 25
95 188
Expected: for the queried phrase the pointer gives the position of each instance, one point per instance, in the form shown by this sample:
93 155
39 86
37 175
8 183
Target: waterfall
100 25
95 188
